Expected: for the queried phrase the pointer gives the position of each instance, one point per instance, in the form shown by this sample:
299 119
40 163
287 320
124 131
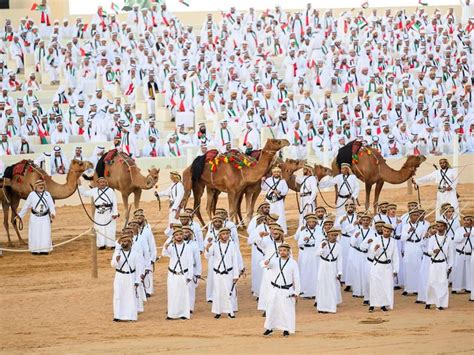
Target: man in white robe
440 248
412 235
309 238
425 266
384 268
126 263
447 180
269 244
347 223
261 228
188 235
149 244
276 189
175 194
347 188
308 191
284 290
106 212
329 273
41 205
462 262
180 274
226 273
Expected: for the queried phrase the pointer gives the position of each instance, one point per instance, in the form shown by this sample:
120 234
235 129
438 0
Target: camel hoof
22 242
9 244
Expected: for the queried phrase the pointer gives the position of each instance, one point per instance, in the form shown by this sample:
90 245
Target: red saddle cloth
21 167
110 155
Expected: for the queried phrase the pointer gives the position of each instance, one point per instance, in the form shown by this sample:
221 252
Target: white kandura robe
105 202
125 293
330 267
257 256
270 249
39 228
412 236
180 270
151 244
461 274
347 228
308 260
438 286
277 204
471 285
211 236
424 272
197 271
443 182
308 192
381 275
359 274
224 259
138 246
280 312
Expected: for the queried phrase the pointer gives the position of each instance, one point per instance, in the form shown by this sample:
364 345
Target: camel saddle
348 152
19 168
197 167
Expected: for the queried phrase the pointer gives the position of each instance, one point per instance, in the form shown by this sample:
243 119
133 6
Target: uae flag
423 3
115 8
361 23
365 5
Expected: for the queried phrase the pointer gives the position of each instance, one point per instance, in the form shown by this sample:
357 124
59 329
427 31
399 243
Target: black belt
104 206
371 260
413 241
40 214
260 250
383 262
327 259
225 272
438 261
426 254
346 235
283 287
125 272
463 252
397 237
344 196
309 245
306 194
359 249
178 273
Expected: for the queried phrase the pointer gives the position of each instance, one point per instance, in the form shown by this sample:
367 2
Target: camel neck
393 176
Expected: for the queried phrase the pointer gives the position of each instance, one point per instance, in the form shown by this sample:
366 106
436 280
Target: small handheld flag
365 5
423 3
115 8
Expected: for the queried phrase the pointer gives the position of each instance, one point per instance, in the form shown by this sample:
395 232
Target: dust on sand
50 304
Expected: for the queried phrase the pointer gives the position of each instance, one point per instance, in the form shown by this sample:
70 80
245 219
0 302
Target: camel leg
215 198
232 196
238 214
378 190
210 202
6 211
125 205
368 188
198 190
136 198
15 202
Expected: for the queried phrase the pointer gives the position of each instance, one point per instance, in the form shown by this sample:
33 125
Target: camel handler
276 190
347 188
175 194
447 180
283 292
106 212
308 192
126 262
43 212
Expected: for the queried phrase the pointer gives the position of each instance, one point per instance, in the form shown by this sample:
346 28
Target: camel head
80 166
274 145
413 162
289 166
152 177
321 171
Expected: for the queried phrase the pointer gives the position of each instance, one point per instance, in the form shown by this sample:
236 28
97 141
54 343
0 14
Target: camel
373 169
123 174
19 187
251 192
229 179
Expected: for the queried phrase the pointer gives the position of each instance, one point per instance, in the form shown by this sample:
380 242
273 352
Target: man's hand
339 277
266 262
395 274
117 258
370 240
115 216
263 234
377 247
435 251
357 234
306 239
263 179
53 216
449 188
323 244
79 182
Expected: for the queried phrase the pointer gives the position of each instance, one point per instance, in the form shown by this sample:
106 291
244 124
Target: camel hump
346 153
197 167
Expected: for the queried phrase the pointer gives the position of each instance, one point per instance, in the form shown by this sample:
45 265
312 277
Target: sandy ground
50 304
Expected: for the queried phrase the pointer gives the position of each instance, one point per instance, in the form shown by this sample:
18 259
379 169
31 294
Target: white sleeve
50 202
26 206
179 196
86 193
426 178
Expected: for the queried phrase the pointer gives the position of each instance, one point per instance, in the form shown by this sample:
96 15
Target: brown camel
251 192
20 186
123 174
373 169
229 179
